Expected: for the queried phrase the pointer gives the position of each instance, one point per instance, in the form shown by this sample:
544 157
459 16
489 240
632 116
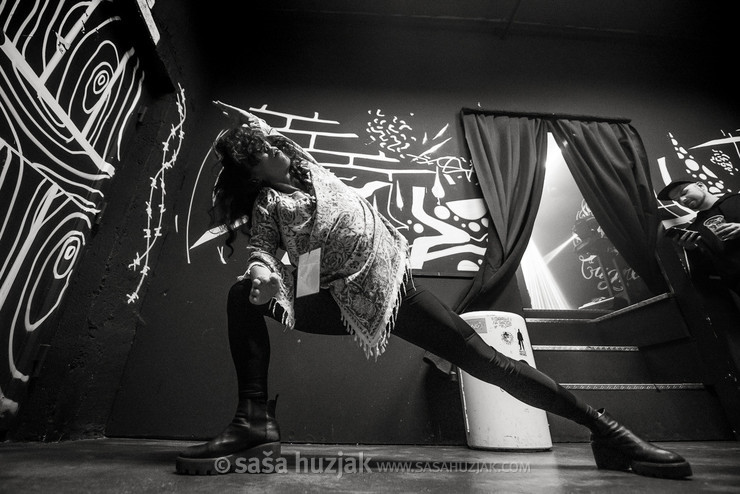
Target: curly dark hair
235 191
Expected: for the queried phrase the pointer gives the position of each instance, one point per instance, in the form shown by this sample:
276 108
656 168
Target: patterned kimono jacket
364 259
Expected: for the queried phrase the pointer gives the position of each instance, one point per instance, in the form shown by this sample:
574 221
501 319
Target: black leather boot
617 448
251 441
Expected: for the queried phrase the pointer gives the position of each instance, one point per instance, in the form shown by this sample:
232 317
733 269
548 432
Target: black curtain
508 154
610 167
609 164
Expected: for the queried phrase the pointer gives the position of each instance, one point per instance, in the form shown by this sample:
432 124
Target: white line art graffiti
407 178
389 133
157 191
67 93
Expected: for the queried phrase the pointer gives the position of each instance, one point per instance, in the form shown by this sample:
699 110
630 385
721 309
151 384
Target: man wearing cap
712 240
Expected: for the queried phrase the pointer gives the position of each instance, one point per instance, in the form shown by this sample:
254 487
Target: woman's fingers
274 280
236 115
264 288
223 105
257 297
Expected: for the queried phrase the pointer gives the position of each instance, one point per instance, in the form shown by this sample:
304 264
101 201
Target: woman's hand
265 285
237 116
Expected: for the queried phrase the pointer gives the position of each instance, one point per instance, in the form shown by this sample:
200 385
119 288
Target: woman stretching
358 264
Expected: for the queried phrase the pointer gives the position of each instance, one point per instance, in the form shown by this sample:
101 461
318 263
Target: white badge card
308 273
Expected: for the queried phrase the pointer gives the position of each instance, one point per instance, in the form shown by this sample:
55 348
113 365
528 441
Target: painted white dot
691 164
442 212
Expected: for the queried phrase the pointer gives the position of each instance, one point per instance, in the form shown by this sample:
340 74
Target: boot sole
612 459
662 470
259 459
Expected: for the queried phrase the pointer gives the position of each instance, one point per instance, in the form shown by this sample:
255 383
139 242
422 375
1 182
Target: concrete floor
130 465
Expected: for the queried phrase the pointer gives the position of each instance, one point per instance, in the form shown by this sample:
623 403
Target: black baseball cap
664 194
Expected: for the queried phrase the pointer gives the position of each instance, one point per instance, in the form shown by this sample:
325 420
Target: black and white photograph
351 246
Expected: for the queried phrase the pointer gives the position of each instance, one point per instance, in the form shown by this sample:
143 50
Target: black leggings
422 320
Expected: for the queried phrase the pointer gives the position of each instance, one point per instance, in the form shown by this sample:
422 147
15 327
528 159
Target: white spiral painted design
69 88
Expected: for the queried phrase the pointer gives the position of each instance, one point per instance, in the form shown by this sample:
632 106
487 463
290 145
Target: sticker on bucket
501 322
479 325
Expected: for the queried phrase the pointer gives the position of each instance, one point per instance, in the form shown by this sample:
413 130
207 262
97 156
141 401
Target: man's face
689 195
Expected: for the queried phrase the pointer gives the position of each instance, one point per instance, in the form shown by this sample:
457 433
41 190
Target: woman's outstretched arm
239 117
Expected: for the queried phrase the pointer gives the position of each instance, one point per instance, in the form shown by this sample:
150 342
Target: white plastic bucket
493 418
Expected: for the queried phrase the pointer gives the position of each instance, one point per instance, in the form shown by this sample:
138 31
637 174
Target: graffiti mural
406 172
68 91
601 263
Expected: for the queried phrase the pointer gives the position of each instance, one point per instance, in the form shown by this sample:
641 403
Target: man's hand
265 285
727 231
688 239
